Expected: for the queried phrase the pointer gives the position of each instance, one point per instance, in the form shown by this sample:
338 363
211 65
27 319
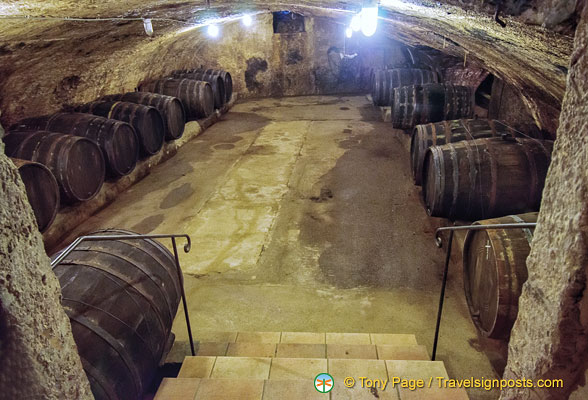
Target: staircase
283 366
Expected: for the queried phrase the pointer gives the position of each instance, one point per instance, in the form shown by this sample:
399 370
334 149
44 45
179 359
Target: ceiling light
148 27
247 20
369 20
356 23
349 32
213 30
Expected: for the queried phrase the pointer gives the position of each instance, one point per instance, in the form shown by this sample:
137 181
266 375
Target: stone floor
303 217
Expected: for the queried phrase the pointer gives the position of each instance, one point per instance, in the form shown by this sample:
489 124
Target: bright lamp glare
213 30
349 32
356 23
247 20
369 20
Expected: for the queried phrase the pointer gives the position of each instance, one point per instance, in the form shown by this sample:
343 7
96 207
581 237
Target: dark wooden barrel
485 178
433 102
170 108
76 162
196 96
117 139
121 297
204 73
384 81
494 265
217 84
147 121
42 191
439 133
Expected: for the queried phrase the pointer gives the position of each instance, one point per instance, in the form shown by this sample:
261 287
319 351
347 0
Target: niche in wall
288 22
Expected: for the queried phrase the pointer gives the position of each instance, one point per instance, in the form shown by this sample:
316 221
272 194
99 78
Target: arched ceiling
532 58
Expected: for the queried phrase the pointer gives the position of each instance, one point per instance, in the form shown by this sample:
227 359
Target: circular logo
323 383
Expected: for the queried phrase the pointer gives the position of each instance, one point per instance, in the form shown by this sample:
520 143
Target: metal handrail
439 243
134 236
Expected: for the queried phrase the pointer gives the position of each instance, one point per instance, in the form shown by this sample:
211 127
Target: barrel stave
196 96
386 80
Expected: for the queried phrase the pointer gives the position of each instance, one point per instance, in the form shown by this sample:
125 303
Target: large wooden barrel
433 102
494 263
196 96
42 191
439 133
203 73
76 162
121 297
217 84
147 121
117 139
170 108
384 81
485 178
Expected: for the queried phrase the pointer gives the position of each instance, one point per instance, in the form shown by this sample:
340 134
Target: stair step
305 338
291 389
307 368
303 350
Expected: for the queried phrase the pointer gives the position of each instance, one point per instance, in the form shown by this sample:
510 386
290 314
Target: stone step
293 389
306 338
303 350
307 368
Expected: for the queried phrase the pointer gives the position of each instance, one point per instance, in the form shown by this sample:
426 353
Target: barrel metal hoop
493 178
107 270
526 231
114 105
151 277
108 338
99 378
474 172
116 318
455 176
533 170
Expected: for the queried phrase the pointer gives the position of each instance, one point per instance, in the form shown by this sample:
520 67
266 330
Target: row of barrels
417 97
485 170
104 139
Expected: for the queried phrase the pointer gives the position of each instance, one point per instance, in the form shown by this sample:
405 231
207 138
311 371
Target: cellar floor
303 217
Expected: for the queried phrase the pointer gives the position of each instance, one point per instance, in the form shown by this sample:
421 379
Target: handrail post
184 302
442 296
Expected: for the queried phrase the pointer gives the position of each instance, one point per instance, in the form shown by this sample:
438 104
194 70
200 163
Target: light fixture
247 20
356 22
213 30
369 20
349 32
148 27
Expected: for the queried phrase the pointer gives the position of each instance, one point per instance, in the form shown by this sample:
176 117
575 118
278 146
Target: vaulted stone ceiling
532 58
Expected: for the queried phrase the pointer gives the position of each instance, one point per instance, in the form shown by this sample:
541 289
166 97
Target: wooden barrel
494 266
439 133
485 178
217 84
147 121
170 108
77 163
433 102
121 297
386 80
196 96
117 140
204 73
42 191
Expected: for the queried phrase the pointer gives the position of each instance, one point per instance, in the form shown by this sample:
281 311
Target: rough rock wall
550 336
39 359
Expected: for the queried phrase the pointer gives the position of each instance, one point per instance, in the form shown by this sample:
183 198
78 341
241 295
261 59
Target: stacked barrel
486 171
65 158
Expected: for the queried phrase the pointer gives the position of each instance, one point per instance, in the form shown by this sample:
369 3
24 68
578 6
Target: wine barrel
217 84
494 265
77 163
196 96
439 133
433 102
386 80
485 178
203 73
118 140
170 108
147 121
42 191
121 297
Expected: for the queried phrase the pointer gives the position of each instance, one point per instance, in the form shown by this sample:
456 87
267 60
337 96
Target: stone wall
550 336
39 359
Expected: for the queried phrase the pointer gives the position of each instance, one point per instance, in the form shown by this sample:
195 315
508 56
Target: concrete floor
303 217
